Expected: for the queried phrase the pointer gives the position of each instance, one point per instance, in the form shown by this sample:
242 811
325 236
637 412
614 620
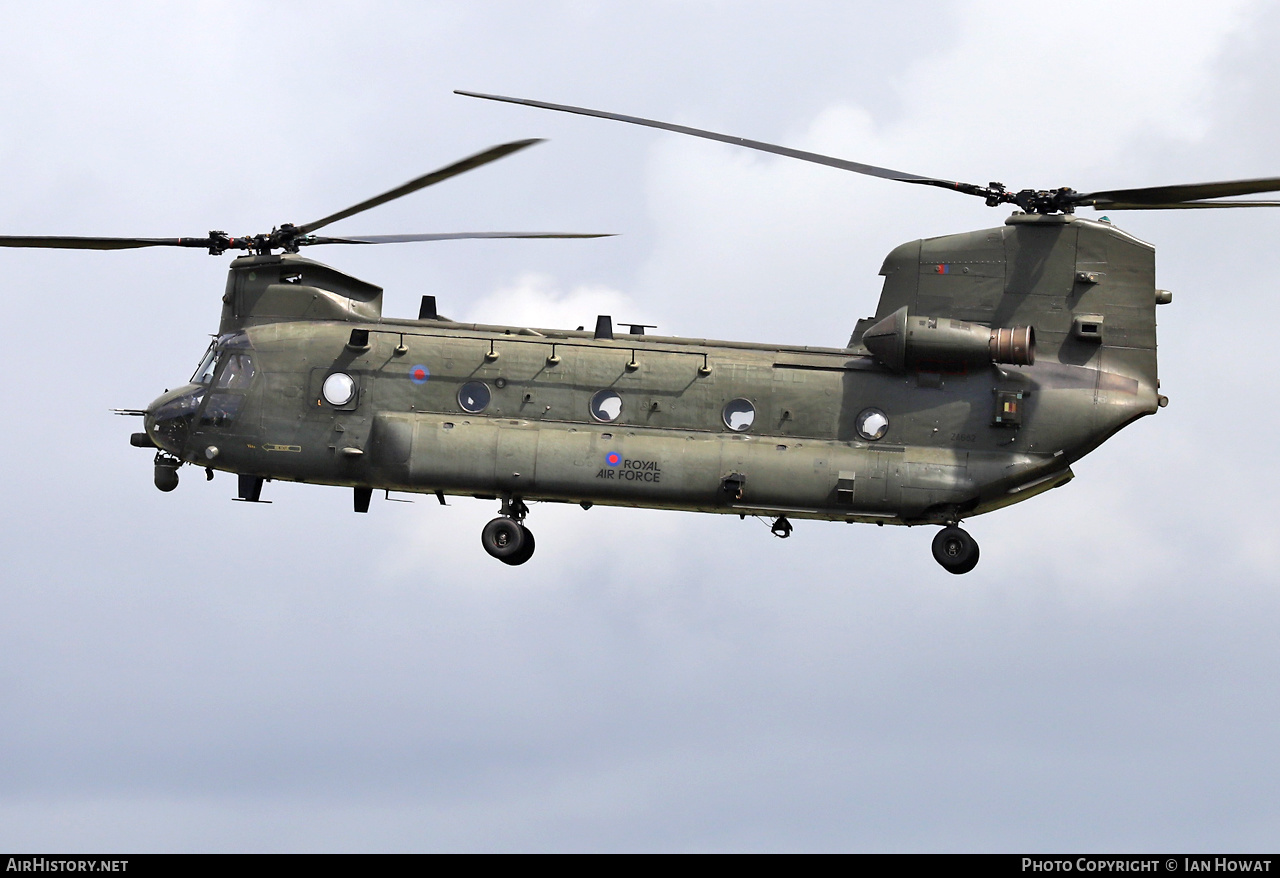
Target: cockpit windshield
204 372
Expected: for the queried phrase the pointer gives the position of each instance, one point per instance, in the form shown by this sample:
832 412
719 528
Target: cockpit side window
204 372
234 370
222 409
238 373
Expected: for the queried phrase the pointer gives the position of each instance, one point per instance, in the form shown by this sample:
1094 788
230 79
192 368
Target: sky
183 673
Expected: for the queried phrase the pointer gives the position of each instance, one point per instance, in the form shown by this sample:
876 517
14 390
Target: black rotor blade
444 236
843 164
74 242
475 161
1170 197
1182 205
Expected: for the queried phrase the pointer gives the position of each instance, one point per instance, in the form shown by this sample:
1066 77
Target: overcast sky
179 672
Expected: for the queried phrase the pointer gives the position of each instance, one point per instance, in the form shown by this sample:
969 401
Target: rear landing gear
955 550
506 538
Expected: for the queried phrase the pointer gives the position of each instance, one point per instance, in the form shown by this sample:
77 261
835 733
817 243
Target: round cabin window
339 389
872 424
739 415
606 406
474 397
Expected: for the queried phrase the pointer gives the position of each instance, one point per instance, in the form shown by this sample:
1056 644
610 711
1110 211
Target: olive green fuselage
960 439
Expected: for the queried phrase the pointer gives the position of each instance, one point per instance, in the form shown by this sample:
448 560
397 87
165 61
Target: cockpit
213 399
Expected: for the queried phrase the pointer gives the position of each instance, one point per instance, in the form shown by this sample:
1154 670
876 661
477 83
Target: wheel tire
526 551
973 562
955 550
503 538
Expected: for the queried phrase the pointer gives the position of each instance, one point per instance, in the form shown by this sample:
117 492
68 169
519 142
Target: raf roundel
613 458
419 374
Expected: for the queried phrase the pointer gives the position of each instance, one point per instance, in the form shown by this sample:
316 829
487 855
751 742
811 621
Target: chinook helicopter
994 361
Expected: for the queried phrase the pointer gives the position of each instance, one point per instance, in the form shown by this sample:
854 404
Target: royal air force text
632 471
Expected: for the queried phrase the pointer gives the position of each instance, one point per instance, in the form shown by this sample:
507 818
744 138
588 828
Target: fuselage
308 382
644 421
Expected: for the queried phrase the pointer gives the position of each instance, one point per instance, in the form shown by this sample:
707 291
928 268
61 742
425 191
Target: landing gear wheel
955 550
526 550
504 538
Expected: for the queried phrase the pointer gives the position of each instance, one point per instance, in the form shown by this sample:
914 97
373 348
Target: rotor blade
1182 205
843 164
475 161
1172 195
72 242
446 236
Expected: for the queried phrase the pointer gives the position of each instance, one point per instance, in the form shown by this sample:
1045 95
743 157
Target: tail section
1086 287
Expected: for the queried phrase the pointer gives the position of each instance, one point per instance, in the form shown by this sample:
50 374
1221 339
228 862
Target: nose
168 419
151 424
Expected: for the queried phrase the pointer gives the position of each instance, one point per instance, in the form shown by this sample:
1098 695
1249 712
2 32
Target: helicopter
995 360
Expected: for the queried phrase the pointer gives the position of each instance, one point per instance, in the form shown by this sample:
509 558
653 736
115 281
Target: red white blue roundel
419 374
613 458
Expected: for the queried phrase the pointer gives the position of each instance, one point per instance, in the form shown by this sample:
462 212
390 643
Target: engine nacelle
905 342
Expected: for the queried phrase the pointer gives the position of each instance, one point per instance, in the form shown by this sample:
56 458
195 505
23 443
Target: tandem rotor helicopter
995 360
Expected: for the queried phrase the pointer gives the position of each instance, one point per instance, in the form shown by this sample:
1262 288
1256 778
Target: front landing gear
955 550
506 538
